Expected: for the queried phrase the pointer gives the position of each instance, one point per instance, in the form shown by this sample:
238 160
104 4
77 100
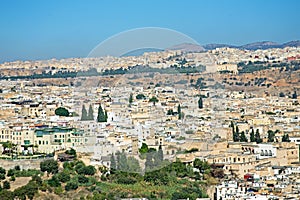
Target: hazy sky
43 29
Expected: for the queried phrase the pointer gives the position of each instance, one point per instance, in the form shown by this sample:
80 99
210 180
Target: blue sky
35 29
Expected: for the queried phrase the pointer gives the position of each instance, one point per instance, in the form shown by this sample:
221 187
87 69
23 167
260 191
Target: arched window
270 153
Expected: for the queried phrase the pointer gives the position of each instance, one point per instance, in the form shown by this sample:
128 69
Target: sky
35 29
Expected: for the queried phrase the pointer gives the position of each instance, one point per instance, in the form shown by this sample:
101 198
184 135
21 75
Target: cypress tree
84 113
130 98
179 112
257 137
200 103
160 153
101 115
113 163
252 136
243 137
236 134
91 113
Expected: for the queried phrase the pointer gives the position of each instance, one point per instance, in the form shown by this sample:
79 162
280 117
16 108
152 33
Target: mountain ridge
249 46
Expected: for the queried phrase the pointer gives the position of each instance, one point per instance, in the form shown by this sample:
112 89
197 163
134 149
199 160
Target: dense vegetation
174 69
249 67
174 180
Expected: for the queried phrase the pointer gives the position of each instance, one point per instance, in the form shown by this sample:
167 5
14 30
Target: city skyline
35 30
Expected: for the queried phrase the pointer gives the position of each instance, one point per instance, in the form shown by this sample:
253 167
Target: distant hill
295 43
255 45
187 47
260 45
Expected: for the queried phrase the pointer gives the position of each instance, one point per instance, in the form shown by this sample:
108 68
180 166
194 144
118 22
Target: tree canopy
102 116
61 111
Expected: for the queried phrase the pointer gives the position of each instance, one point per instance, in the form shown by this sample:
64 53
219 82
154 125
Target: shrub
62 112
51 166
64 177
82 179
6 185
12 178
89 170
2 176
10 172
72 185
58 190
2 170
54 182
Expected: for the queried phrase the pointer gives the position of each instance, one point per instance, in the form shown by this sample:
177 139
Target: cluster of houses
166 113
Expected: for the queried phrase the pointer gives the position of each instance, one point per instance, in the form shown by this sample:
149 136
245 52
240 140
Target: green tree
257 137
101 115
11 172
89 170
2 170
243 137
133 165
130 98
140 96
82 179
154 100
232 129
179 111
201 165
72 185
236 134
170 112
54 182
7 195
122 162
252 136
71 152
144 148
6 185
64 176
285 138
294 96
61 111
281 94
113 163
91 113
51 166
84 116
160 153
200 103
271 136
149 164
